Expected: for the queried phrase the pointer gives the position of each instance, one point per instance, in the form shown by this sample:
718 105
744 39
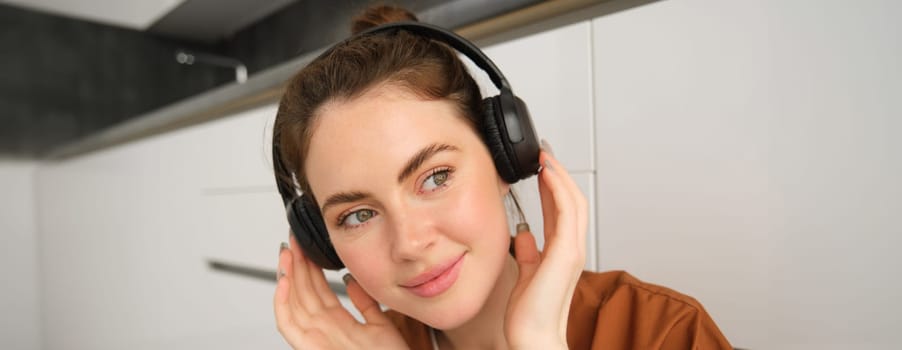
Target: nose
413 236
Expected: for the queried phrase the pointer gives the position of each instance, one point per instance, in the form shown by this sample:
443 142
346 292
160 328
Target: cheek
369 266
475 214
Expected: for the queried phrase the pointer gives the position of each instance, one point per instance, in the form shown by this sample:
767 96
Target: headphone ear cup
310 232
492 134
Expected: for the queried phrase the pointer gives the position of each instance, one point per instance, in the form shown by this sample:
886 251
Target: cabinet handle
260 273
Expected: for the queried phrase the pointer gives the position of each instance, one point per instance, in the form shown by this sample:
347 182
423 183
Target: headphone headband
445 36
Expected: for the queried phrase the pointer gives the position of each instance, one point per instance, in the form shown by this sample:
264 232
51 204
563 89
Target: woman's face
412 202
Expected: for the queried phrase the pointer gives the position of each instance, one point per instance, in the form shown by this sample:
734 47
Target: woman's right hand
309 315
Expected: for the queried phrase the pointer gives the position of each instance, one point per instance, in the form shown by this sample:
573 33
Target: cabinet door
237 151
681 120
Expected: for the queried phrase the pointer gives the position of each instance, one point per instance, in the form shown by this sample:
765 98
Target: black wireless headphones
506 129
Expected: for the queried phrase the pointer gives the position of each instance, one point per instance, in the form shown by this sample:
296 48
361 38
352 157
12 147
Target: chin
453 314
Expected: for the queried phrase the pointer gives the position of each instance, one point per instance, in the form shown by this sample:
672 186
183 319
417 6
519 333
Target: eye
356 218
436 180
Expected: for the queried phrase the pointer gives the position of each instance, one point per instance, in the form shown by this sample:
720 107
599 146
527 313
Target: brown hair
426 68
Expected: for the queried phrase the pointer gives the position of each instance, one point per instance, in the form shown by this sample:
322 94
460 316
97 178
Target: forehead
369 138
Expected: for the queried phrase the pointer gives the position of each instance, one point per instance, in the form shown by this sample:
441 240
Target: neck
486 329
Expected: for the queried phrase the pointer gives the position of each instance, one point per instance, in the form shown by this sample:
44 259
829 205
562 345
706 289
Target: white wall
19 292
747 156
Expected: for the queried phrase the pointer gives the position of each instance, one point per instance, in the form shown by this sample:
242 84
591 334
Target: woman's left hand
539 306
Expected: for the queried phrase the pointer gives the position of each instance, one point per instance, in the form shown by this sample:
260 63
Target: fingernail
346 278
547 165
282 246
547 147
523 227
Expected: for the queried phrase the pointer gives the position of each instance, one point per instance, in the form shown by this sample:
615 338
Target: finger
529 261
556 202
568 238
282 288
364 303
566 251
327 297
570 184
559 203
578 198
527 255
281 301
549 210
303 283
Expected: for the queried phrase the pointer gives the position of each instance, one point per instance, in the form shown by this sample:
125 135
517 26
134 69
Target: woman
383 135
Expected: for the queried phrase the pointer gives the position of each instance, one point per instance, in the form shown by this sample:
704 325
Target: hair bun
379 15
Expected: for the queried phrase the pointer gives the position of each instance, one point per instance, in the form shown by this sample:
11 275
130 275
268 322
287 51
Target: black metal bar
260 273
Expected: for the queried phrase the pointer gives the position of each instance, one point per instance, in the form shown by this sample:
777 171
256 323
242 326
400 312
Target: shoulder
597 288
616 310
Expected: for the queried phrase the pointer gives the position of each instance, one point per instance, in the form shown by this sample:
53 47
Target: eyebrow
412 165
343 197
421 157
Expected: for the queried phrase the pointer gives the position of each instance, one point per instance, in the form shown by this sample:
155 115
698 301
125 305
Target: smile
436 280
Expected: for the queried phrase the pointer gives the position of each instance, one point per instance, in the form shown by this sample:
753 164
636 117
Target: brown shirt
614 310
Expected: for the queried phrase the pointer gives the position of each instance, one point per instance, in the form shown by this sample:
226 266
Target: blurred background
739 151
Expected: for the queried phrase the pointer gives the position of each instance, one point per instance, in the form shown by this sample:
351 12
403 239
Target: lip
436 280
